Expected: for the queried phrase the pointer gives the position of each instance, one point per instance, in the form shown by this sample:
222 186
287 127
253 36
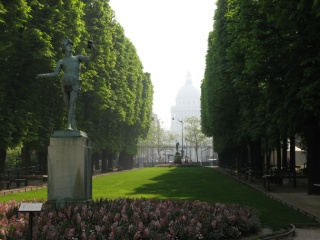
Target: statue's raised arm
93 53
71 81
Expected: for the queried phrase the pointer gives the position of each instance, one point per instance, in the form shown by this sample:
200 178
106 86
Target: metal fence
149 156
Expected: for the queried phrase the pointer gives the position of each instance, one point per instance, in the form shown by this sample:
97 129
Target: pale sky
171 39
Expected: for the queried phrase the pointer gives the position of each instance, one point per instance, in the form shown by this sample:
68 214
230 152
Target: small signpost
30 208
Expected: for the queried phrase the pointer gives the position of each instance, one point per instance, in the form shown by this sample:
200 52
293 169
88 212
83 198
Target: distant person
71 81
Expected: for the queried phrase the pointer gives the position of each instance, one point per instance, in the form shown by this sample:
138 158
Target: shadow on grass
207 184
192 183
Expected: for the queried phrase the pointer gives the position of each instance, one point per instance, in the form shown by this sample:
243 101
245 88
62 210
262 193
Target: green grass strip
189 183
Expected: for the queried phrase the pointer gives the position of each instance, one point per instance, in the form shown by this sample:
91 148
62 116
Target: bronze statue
71 81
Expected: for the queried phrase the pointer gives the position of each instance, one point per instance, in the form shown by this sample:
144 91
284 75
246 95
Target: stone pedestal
69 168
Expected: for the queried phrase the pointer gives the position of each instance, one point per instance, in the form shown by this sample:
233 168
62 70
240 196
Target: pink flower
78 218
117 217
111 235
124 217
130 228
115 224
105 219
97 228
70 232
146 233
137 236
141 226
198 226
102 211
214 224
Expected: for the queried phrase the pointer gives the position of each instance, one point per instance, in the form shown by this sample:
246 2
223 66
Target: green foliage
157 137
116 95
13 158
194 135
261 78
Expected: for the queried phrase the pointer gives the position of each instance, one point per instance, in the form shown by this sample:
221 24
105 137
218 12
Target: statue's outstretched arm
53 74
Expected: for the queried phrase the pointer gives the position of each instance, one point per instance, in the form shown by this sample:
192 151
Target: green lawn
190 183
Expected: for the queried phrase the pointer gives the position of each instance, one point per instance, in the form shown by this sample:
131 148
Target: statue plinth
69 168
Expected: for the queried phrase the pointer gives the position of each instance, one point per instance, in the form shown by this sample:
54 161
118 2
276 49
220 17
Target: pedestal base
69 168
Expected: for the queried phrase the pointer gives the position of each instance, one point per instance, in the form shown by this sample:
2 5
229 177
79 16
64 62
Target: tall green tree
194 135
266 53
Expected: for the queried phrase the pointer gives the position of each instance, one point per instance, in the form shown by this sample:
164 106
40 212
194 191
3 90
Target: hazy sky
171 39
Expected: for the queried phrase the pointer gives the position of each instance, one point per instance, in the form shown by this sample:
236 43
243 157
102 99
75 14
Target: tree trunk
3 156
122 161
130 162
242 158
111 158
249 156
256 156
125 161
95 160
26 155
42 159
197 154
284 153
104 158
278 143
293 159
312 135
268 156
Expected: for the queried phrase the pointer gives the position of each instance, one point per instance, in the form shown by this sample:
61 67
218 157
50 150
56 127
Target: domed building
187 105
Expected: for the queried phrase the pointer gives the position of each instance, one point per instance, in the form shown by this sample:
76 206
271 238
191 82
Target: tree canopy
262 79
115 103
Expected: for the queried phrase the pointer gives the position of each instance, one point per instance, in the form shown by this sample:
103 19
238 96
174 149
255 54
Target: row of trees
115 103
261 84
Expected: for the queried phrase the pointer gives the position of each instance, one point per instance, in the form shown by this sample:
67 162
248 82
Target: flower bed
132 219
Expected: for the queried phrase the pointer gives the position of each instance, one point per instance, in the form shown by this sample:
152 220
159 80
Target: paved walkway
33 185
297 198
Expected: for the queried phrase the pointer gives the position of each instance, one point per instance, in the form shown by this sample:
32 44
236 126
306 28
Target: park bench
18 181
250 173
42 178
231 170
22 176
267 179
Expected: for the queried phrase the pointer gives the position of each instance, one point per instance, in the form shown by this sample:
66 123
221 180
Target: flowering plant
135 219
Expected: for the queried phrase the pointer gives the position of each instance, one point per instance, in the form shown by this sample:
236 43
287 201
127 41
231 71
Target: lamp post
182 137
181 121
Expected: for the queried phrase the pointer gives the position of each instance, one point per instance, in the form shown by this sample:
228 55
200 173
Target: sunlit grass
190 183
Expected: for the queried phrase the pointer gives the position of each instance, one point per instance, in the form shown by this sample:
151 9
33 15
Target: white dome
188 94
187 105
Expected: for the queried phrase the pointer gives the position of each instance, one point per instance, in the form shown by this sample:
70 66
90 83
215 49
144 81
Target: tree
194 134
261 79
157 137
116 96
